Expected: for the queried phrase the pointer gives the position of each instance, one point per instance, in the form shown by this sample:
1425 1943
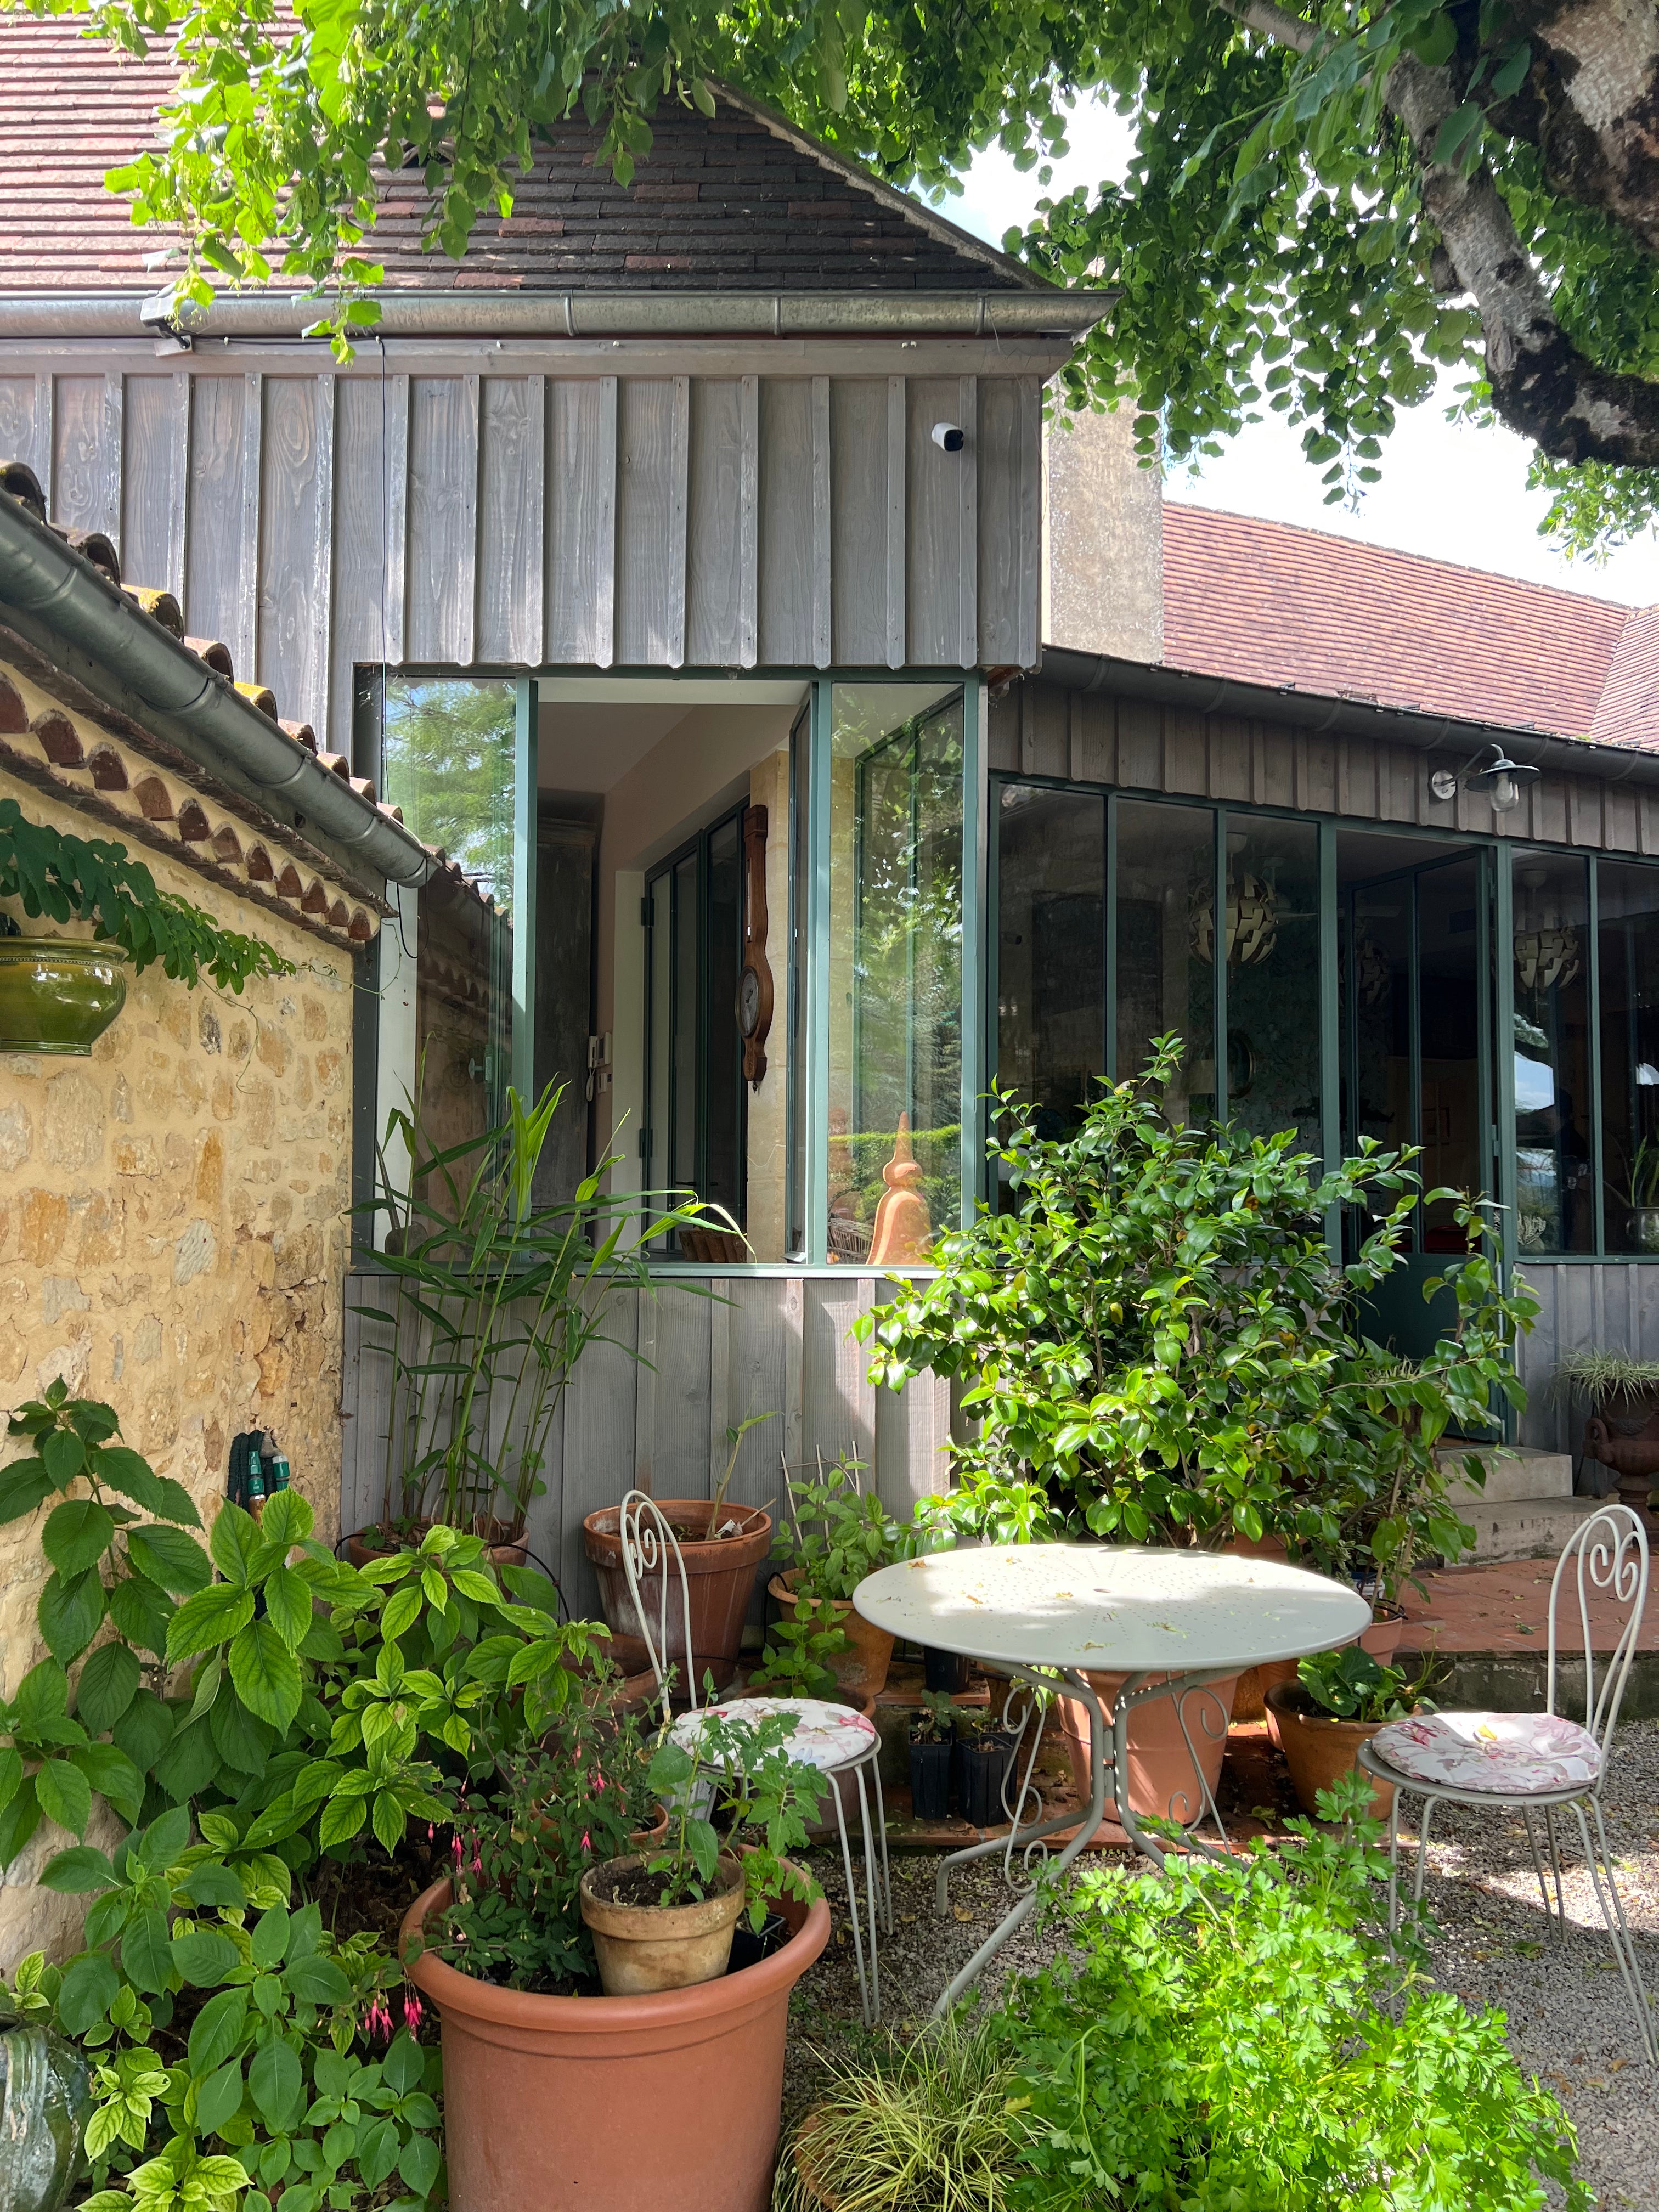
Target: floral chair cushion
825 1735
1502 1754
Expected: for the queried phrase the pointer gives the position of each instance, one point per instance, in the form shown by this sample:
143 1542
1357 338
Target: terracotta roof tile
1269 603
730 202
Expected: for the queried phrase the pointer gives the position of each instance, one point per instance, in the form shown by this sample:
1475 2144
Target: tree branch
1270 20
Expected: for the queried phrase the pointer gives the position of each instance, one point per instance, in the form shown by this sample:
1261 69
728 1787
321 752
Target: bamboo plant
497 1296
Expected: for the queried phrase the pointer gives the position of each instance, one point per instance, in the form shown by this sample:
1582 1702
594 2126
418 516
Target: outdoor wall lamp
1499 777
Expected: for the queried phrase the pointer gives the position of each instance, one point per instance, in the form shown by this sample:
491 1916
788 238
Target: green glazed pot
59 994
45 2101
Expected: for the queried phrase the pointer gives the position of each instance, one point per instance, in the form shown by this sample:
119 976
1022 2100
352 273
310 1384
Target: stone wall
173 1234
1103 569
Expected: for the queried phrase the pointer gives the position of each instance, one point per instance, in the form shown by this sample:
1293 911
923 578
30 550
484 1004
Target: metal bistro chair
836 1739
1538 1762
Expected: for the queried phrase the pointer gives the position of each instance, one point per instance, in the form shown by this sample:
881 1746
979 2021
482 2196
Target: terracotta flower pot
1318 1748
719 1577
1382 1638
372 1544
1162 1781
615 2103
860 1671
643 1949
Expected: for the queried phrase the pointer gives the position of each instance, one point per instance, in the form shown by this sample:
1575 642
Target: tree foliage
1326 203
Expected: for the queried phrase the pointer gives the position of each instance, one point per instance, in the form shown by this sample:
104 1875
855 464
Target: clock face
748 1002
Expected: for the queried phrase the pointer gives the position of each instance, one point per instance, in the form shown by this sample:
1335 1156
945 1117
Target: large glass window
1273 976
895 964
1165 946
1051 950
1555 1192
1627 932
1452 1120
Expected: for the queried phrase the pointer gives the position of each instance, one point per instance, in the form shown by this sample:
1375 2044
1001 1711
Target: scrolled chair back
654 1564
1606 1555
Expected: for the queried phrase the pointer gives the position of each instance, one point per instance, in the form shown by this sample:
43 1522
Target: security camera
948 438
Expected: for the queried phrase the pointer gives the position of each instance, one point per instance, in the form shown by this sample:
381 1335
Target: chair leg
853 1897
881 1839
1550 1919
1600 1860
1555 1862
872 1899
1394 1862
1422 1867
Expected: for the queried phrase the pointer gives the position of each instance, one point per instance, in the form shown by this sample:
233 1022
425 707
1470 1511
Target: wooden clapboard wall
1137 744
651 1407
314 522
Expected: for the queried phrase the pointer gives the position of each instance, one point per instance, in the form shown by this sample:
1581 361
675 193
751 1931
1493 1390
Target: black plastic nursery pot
749 1948
981 1770
946 1670
930 1779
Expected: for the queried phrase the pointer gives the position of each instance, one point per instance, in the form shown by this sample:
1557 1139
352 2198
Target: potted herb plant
838 1533
1339 1701
563 2097
722 1545
932 1756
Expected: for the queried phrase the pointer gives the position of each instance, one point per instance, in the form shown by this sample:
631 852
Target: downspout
42 576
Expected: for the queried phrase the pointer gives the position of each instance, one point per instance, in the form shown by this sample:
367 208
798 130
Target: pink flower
478 1863
585 1844
411 2010
429 1832
456 1848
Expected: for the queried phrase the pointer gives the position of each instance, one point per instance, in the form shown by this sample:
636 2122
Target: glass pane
682 1106
895 964
446 760
1165 904
722 1183
1272 978
1448 1021
1555 1209
800 785
1628 921
661 987
1051 950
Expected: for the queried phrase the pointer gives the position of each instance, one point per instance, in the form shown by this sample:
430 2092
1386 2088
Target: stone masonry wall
174 1234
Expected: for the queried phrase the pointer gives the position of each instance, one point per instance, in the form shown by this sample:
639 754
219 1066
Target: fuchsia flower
587 1845
412 2010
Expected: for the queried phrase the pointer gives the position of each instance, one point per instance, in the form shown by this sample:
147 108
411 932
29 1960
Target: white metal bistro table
1051 1614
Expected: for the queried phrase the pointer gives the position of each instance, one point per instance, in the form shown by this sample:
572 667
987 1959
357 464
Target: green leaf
71 1612
266 1673
173 1560
113 1775
210 1619
419 2164
131 1473
317 1979
147 1951
105 1688
243 1740
404 2063
19 1821
77 1535
141 1613
212 1882
11 1776
1455 132
202 1957
342 1818
377 2151
219 2098
277 2083
216 2030
89 1987
189 1763
74 1872
289 1603
402 1608
145 1730
24 1486
288 1519
233 1542
65 1794
64 1456
166 1836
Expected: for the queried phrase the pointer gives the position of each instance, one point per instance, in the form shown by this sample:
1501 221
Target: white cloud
1448 489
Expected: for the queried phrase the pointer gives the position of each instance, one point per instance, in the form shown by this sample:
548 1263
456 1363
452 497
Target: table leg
1130 1695
1091 1819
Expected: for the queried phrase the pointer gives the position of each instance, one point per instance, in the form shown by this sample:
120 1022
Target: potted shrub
558 2096
1622 1432
722 1545
838 1533
1338 1701
932 1757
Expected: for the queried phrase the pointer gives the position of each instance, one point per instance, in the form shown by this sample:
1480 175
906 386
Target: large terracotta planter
644 1949
1319 1749
659 2104
860 1671
1163 1779
719 1577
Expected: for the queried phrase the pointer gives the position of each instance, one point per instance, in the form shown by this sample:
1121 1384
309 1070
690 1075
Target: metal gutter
1200 694
420 313
43 578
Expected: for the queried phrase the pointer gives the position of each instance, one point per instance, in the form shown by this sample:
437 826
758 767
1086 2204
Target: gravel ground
1570 2021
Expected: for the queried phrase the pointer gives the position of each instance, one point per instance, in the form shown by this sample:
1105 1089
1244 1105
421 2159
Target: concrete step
1523 1528
1514 1472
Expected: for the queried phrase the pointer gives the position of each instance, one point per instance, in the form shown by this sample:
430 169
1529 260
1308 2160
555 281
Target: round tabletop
1128 1609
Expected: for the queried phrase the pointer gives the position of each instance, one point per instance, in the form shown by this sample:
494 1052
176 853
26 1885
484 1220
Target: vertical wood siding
713 1352
314 521
1610 1305
1137 745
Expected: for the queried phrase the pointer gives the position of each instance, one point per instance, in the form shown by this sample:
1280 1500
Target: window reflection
1272 978
1051 950
1628 931
1555 1198
1166 925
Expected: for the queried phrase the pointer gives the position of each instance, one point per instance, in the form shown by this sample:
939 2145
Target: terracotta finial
903 1235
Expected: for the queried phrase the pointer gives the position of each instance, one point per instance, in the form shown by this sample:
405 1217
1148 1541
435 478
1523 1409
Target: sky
1448 489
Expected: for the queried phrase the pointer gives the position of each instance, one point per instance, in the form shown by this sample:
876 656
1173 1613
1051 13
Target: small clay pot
931 1766
645 1949
1382 1638
1319 1748
860 1671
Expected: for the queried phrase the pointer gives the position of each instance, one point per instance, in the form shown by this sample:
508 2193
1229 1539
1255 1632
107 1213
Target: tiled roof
742 202
1266 603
